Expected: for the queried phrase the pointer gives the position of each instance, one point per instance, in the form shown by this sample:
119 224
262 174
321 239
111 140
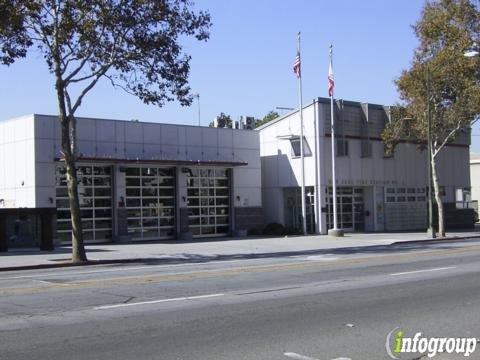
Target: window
342 147
366 149
442 191
295 142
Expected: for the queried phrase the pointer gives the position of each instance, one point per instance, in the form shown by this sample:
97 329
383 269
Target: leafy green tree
269 117
442 81
134 44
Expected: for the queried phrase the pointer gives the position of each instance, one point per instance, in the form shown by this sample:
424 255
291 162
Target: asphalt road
331 305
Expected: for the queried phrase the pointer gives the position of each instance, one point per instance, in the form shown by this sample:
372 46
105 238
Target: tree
134 44
441 81
223 120
269 117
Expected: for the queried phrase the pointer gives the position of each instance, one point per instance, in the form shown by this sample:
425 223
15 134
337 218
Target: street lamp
197 95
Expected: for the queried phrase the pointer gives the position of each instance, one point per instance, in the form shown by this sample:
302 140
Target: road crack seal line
269 290
129 299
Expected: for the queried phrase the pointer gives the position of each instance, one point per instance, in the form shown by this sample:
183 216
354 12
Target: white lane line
321 258
293 355
105 307
422 271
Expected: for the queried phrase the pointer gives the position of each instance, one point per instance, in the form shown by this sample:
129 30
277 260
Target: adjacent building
374 192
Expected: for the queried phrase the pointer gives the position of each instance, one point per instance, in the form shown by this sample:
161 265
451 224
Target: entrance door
350 209
293 208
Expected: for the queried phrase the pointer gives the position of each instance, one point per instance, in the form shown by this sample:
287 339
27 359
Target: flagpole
335 231
302 177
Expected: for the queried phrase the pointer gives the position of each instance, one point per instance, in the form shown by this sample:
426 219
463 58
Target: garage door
208 199
150 202
95 197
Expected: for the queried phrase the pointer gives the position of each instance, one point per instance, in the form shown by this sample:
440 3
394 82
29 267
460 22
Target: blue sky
246 66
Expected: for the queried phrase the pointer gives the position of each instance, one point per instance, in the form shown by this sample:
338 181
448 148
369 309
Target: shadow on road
162 259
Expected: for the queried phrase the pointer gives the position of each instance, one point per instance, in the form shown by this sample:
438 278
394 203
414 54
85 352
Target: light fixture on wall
50 199
238 198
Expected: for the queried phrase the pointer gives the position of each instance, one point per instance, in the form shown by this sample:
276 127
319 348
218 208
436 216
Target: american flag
297 65
331 83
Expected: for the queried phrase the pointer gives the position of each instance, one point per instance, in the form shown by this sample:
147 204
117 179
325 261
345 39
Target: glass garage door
95 197
208 199
150 202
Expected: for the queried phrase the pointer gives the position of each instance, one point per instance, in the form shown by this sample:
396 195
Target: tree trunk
78 248
438 198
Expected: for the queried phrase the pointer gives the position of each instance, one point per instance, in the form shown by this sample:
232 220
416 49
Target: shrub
274 229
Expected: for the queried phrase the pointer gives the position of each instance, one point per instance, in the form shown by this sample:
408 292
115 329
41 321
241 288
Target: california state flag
331 83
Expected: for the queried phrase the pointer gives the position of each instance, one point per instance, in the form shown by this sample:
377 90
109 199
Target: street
320 306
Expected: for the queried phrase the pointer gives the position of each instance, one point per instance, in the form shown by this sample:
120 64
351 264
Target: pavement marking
321 258
106 307
51 282
293 355
422 271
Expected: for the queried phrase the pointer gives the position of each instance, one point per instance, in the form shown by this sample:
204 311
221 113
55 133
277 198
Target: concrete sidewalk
204 250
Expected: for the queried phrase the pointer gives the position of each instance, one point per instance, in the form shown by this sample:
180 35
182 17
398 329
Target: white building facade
374 192
137 181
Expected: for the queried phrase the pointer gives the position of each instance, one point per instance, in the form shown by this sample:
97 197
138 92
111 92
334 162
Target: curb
438 240
70 264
